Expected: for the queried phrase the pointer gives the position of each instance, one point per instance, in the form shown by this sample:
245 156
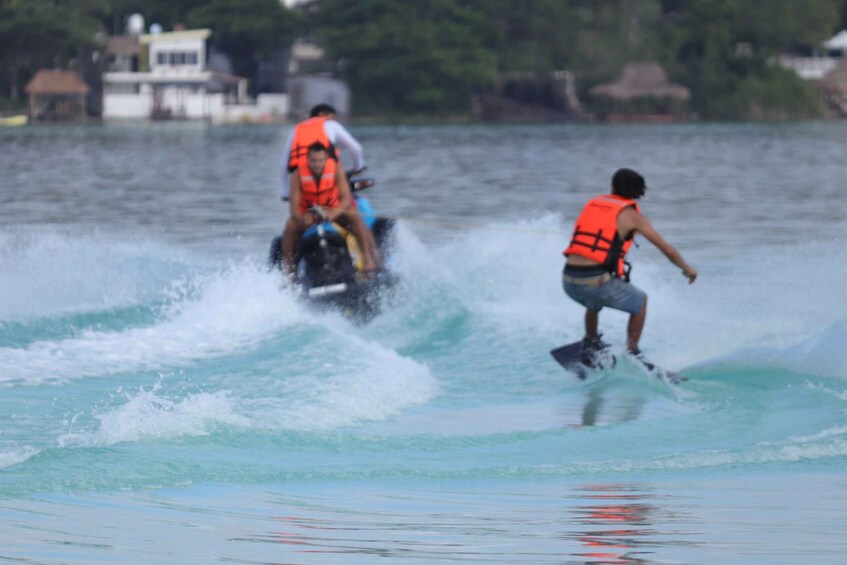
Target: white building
172 82
821 64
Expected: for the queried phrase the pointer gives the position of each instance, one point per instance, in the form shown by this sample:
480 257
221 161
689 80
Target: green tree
536 36
423 57
41 33
246 30
724 50
166 13
612 33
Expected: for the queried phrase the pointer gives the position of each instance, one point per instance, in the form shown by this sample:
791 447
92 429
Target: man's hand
318 213
691 273
330 214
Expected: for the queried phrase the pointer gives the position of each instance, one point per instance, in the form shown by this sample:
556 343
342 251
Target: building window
177 58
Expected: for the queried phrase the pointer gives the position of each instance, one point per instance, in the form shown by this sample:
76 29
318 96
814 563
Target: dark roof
638 80
123 45
48 81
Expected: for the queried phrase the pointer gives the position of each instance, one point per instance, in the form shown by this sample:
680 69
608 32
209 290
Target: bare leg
365 239
375 256
633 329
289 240
592 320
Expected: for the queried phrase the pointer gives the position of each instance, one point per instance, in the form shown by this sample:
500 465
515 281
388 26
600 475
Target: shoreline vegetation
429 120
458 61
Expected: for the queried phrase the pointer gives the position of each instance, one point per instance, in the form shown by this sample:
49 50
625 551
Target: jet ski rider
319 181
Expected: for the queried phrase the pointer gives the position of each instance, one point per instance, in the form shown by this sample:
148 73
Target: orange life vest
307 133
595 233
318 192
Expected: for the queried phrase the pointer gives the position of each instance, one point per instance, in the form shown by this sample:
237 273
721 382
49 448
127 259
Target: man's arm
294 203
345 195
632 219
340 137
283 166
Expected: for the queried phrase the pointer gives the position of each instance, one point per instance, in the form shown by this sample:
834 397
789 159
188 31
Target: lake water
164 400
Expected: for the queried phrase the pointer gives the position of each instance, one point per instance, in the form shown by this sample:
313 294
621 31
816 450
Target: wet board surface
568 357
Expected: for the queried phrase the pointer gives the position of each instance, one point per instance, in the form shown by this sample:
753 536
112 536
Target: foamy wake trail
363 382
503 275
147 416
824 354
45 272
15 456
233 309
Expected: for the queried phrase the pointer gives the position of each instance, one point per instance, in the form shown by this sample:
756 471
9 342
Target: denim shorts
614 293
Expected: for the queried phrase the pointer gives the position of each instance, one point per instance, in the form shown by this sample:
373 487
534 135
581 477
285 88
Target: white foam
146 415
45 272
340 381
375 385
15 456
233 309
511 276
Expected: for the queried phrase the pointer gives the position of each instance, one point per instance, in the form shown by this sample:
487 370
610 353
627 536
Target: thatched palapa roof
56 82
640 80
835 81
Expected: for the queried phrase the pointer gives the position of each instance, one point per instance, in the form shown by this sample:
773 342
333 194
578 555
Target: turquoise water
164 400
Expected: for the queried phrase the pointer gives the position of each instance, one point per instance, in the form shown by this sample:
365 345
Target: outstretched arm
343 139
644 227
285 189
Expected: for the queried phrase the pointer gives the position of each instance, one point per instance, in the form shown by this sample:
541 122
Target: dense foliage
42 33
432 56
424 57
722 50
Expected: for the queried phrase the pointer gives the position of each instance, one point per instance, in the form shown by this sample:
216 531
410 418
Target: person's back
306 134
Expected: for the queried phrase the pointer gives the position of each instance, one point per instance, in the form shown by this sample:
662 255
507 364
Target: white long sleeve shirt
338 136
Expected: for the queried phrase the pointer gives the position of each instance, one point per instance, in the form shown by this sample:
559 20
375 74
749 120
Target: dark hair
318 146
628 183
321 109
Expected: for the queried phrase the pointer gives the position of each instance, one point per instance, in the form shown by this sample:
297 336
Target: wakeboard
568 356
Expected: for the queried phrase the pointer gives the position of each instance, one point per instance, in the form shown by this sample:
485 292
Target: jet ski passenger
322 184
596 274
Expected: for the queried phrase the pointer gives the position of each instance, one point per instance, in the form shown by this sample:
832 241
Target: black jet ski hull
328 277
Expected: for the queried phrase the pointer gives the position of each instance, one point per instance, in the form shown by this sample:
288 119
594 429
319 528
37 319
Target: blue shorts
614 293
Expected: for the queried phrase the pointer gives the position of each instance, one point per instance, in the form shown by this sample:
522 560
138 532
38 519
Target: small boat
14 121
329 269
